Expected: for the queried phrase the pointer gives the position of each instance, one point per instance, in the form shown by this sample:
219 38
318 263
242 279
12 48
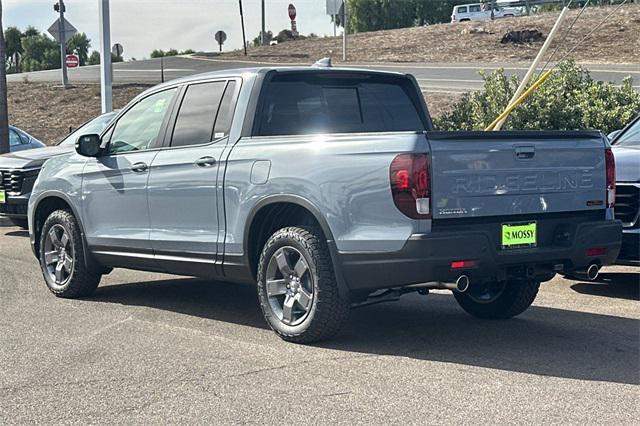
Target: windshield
631 137
95 126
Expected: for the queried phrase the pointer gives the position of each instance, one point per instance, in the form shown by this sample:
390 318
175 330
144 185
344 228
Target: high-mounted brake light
411 185
611 177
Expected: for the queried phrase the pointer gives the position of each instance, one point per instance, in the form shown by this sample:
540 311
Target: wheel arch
47 203
278 211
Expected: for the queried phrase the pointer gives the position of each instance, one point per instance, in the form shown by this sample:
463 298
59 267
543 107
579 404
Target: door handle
205 162
140 167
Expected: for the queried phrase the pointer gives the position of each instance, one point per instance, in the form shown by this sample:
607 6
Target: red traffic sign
72 61
292 12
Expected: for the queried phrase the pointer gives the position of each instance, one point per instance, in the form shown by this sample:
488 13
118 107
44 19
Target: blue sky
143 25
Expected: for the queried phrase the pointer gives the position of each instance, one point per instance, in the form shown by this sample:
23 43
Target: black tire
327 309
77 279
509 299
22 223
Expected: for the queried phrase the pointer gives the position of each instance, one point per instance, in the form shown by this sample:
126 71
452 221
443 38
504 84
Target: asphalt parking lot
152 348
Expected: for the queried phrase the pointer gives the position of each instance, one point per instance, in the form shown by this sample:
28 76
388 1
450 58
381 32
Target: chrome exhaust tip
593 271
462 283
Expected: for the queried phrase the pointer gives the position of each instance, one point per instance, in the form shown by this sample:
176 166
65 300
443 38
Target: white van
480 12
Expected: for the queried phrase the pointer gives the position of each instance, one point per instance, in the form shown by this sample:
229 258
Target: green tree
31 31
80 44
569 100
13 40
40 53
94 58
171 52
374 15
4 108
268 36
157 53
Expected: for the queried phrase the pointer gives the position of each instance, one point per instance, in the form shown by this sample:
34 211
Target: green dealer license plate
519 235
3 197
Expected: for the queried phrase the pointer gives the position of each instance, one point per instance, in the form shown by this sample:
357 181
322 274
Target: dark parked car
19 140
626 149
19 170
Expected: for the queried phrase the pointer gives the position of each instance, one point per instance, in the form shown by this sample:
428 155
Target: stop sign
292 12
72 61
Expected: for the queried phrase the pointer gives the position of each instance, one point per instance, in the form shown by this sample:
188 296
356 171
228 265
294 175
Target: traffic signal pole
63 44
106 68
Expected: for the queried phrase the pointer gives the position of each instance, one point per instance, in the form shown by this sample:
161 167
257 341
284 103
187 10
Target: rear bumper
630 250
428 257
15 207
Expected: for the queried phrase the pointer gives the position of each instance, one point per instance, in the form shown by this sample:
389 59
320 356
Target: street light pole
106 67
63 44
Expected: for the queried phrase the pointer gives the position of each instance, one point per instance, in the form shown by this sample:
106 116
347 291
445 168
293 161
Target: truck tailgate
477 174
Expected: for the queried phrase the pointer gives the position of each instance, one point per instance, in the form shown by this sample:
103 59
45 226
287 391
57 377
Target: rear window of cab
336 102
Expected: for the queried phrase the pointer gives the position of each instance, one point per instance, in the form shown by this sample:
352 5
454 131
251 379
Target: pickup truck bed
328 188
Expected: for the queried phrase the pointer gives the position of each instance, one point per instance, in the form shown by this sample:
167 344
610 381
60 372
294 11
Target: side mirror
613 134
88 145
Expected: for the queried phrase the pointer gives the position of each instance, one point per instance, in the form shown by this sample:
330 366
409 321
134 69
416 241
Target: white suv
480 12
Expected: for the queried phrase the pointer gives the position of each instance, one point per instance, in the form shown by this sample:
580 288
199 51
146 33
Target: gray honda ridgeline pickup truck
328 188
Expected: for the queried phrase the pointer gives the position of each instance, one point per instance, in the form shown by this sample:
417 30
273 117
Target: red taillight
611 177
411 185
596 251
463 264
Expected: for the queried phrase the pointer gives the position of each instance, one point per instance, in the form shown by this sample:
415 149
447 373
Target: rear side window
227 108
197 115
328 102
462 9
14 138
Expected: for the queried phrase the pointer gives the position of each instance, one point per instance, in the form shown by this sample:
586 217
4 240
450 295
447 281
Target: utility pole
60 8
244 37
106 67
263 35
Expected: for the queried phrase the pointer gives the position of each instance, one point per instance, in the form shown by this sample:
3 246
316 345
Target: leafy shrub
569 100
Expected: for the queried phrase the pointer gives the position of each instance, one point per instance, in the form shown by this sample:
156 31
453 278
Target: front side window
299 104
631 137
139 128
474 8
197 115
14 138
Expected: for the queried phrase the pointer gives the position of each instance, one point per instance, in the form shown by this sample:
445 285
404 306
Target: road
432 77
150 348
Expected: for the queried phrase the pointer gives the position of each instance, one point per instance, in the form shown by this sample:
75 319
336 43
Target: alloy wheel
58 255
289 285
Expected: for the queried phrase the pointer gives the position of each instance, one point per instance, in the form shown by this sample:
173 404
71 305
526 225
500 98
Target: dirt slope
47 112
617 41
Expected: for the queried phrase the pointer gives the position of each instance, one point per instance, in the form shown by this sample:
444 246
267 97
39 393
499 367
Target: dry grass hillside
617 41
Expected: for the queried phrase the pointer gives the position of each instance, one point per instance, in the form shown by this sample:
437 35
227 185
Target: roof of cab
253 71
237 72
